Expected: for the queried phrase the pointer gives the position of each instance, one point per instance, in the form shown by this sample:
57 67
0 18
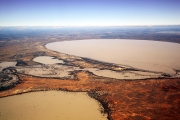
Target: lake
142 54
51 105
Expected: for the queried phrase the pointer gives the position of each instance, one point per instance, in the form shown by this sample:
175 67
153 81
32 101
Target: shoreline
96 92
122 60
118 97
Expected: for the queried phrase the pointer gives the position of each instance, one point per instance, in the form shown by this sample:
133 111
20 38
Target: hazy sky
89 12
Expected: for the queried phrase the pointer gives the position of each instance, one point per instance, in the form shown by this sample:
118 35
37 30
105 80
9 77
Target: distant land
169 33
123 92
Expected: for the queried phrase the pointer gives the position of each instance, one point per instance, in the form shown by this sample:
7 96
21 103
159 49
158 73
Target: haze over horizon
89 12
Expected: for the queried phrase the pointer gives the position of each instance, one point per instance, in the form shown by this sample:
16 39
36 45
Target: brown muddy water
51 105
47 60
142 54
7 64
56 70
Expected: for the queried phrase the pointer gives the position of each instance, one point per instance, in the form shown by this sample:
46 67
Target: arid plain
150 98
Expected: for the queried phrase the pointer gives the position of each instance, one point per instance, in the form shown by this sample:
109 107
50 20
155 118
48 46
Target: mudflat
152 98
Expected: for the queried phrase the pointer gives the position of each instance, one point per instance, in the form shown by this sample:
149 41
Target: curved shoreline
121 95
140 58
75 103
99 90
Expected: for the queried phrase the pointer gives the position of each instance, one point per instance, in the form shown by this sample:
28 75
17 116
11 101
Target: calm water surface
142 54
47 60
7 64
50 105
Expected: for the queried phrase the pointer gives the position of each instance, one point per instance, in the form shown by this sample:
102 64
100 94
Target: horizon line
87 25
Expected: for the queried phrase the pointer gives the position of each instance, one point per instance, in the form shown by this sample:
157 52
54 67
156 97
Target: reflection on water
51 105
142 54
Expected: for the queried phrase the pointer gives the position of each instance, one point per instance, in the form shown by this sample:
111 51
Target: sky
89 12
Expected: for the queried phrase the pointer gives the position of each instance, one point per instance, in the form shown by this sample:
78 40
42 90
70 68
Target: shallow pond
50 105
141 54
47 60
63 71
7 64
